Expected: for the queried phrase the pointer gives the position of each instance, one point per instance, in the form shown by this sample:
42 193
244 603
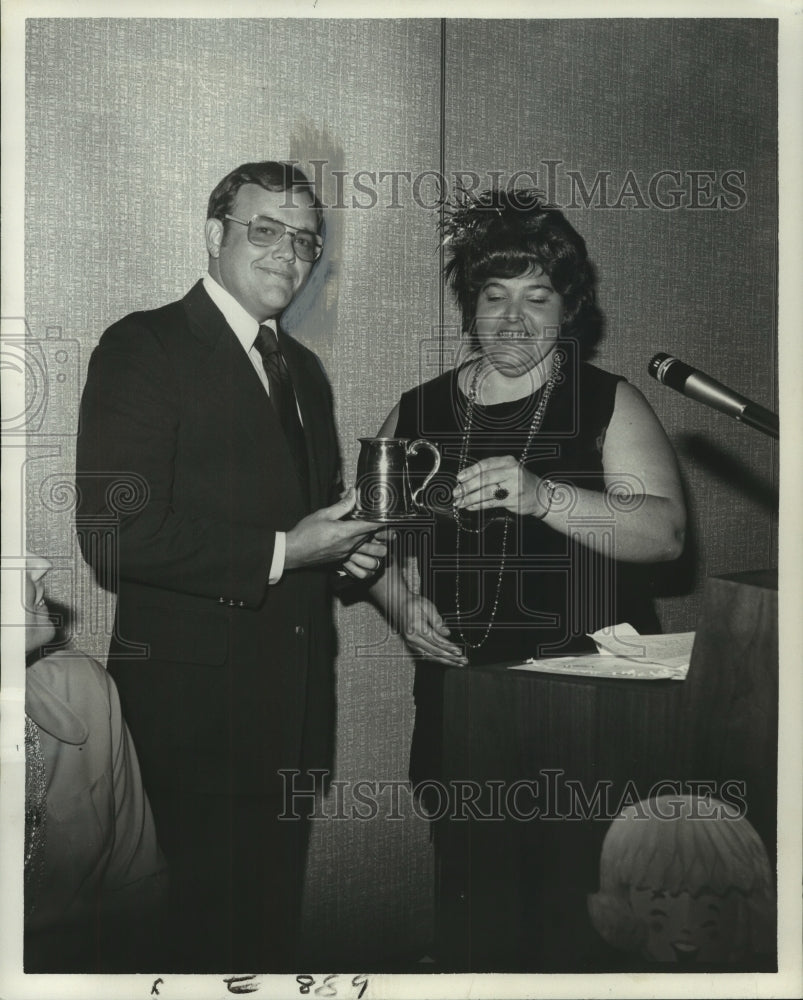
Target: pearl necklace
535 426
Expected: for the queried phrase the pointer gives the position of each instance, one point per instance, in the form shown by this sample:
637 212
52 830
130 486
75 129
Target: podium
548 760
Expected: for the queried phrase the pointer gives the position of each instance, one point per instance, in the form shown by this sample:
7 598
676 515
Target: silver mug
384 492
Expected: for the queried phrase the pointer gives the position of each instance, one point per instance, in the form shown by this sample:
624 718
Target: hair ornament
468 218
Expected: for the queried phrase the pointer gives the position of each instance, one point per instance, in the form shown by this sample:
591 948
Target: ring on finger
501 493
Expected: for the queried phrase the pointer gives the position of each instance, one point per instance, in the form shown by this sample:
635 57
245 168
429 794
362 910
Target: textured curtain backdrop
615 103
130 123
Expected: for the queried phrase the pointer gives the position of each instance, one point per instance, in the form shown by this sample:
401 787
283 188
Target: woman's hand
501 482
424 632
643 496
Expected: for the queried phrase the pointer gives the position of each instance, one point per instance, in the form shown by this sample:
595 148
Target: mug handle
412 449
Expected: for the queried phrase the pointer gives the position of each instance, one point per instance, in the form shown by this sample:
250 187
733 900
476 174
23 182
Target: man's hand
369 556
322 537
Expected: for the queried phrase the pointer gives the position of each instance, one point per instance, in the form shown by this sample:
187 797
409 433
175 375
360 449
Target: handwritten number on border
328 986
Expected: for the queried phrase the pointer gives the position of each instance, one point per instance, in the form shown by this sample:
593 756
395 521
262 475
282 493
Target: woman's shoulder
595 395
432 387
592 375
426 405
63 686
65 665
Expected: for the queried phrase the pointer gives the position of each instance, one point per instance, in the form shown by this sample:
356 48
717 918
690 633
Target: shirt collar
243 324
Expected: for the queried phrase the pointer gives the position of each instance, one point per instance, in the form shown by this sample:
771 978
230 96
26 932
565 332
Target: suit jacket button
231 603
221 600
299 629
242 604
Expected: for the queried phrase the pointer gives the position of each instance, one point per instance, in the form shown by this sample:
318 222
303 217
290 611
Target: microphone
697 385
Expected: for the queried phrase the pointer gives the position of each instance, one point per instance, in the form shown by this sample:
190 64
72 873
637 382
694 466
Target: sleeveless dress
554 590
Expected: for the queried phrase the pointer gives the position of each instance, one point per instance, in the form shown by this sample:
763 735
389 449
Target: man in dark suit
209 482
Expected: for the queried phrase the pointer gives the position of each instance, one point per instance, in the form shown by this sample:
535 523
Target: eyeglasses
265 232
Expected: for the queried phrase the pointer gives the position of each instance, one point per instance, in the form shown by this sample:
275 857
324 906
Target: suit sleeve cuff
277 563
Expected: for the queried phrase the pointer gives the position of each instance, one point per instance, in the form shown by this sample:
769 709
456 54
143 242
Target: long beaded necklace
535 426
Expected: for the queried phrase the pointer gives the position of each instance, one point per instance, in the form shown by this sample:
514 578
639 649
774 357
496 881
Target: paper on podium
623 653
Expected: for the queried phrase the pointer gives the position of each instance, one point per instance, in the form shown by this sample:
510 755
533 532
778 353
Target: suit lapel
259 428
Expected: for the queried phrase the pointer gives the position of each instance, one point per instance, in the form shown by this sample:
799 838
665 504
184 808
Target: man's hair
502 234
272 175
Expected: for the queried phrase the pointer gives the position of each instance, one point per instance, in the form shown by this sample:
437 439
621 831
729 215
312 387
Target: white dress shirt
245 329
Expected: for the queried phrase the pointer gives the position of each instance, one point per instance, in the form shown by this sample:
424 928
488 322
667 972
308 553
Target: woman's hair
503 234
682 844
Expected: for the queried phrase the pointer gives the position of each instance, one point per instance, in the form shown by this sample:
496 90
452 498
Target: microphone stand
762 419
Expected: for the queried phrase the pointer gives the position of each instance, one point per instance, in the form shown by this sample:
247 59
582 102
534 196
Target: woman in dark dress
557 484
557 487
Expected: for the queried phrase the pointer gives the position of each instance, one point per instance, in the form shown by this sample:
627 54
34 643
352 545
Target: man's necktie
283 399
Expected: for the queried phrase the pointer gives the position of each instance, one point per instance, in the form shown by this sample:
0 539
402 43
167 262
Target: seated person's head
686 880
39 628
